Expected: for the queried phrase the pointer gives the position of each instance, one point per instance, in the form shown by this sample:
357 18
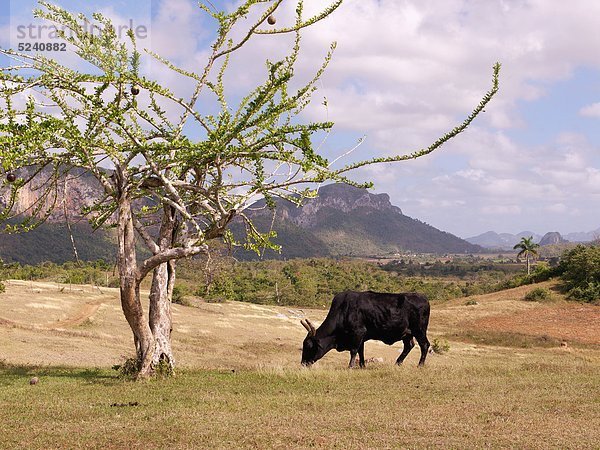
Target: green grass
502 401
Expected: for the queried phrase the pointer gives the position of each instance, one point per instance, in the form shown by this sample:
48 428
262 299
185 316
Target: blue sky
407 71
559 109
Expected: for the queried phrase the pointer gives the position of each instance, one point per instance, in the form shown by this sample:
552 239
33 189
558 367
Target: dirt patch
88 310
571 323
85 313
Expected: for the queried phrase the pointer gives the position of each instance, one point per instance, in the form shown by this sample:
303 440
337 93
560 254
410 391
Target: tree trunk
161 322
161 294
130 290
528 269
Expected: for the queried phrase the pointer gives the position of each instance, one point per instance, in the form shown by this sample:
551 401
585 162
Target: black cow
356 317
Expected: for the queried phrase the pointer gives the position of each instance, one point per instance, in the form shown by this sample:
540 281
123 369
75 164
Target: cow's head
310 348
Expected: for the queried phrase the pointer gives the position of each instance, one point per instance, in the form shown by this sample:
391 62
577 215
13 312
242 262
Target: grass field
517 375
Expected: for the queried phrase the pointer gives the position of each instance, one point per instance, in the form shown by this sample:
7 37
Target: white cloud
177 30
470 174
560 208
502 210
592 110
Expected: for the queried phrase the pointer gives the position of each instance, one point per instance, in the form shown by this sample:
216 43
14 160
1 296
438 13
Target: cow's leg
353 353
408 346
357 346
361 354
424 344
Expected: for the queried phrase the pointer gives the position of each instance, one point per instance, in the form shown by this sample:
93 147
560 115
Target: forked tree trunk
130 291
161 294
152 336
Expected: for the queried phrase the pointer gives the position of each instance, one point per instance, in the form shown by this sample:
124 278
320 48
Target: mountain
491 239
348 221
341 221
79 190
51 242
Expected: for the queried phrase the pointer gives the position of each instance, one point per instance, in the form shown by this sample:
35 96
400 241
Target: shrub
179 295
588 292
2 288
95 272
440 346
543 272
538 295
312 282
129 368
580 268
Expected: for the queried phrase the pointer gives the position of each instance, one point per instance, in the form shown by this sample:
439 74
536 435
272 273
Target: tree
527 248
173 189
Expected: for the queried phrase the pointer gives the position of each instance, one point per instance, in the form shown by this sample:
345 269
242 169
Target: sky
403 74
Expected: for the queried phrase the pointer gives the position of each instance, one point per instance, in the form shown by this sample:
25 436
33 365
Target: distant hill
505 241
51 242
583 236
501 241
79 191
348 221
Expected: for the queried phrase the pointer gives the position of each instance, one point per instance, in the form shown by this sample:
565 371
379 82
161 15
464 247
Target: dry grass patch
505 338
574 323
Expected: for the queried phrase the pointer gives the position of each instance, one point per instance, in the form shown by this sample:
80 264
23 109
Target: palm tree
528 248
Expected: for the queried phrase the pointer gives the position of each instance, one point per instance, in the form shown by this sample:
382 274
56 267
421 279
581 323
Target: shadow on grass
560 288
94 376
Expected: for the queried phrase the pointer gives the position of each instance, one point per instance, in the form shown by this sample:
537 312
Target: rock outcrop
552 238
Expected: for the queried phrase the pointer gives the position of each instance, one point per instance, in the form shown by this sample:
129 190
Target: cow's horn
312 331
309 327
305 325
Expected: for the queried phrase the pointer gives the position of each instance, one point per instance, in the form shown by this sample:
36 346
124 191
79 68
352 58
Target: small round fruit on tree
135 90
271 20
10 177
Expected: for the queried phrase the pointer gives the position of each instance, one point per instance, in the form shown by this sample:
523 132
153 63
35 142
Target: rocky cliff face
77 190
338 197
552 238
